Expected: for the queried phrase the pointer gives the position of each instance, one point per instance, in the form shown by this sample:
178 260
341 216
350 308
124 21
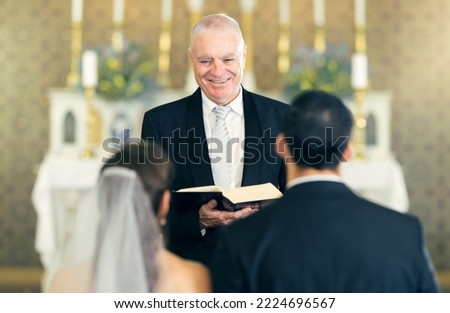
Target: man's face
218 61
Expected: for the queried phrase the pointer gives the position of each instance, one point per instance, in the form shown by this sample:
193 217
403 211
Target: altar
61 183
380 181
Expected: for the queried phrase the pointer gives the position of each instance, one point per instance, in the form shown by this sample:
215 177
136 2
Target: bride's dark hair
150 162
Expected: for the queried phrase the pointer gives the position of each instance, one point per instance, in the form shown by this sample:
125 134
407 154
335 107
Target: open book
230 200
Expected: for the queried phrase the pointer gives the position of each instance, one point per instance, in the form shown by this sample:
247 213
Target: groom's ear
282 147
163 208
348 152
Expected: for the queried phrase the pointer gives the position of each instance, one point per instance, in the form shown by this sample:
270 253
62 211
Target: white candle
319 12
166 10
118 11
77 11
89 68
283 10
195 5
360 12
248 6
359 71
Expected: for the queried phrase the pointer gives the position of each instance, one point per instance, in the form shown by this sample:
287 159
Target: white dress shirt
313 178
236 128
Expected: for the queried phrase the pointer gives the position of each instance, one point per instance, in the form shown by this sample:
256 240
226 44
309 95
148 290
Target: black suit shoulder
270 114
306 213
172 109
268 105
264 99
176 105
367 210
320 234
162 120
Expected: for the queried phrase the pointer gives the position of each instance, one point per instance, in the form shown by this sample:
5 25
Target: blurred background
408 53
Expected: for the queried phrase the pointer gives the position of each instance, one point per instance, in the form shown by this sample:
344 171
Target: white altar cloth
60 183
379 181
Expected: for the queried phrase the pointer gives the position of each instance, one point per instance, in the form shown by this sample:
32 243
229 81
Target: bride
116 245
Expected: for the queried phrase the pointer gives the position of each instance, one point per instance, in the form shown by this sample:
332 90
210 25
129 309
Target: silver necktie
222 158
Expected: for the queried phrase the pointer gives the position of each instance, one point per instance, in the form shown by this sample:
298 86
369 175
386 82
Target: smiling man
222 134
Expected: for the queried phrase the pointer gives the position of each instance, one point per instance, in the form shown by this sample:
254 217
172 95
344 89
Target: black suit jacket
179 128
321 237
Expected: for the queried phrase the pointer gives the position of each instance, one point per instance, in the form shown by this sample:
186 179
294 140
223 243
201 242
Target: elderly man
222 134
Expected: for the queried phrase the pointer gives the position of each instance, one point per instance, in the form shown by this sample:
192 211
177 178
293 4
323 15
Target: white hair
217 21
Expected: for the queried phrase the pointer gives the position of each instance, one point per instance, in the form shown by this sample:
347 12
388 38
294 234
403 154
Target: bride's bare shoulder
196 276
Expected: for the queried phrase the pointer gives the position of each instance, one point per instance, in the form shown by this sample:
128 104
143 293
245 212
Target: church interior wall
408 51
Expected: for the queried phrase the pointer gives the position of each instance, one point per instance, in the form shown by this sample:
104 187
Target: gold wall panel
409 54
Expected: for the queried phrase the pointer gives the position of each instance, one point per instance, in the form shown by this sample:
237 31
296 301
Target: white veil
116 234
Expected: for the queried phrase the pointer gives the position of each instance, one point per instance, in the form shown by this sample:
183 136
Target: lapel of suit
198 157
253 150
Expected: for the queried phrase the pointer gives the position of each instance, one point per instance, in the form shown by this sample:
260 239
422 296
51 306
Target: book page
210 188
253 193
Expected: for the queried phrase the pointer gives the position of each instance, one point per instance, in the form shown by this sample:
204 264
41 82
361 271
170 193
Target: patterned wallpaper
409 54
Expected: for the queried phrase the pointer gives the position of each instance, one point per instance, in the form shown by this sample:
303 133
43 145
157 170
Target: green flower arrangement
125 74
330 71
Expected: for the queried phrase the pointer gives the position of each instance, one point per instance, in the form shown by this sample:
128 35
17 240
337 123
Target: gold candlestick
358 96
319 39
73 78
360 39
360 125
165 42
94 125
117 38
195 16
247 27
283 49
190 83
